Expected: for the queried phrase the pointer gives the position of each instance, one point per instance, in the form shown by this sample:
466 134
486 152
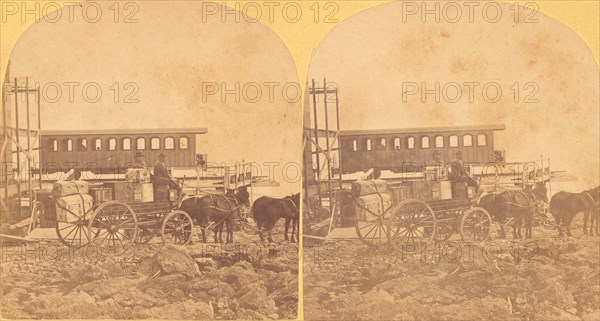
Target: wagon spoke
74 228
66 227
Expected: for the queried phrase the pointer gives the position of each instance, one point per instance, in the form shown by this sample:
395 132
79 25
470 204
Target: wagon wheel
415 225
373 229
475 225
75 234
177 228
116 226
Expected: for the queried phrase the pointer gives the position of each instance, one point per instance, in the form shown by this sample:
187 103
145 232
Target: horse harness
296 210
596 203
233 208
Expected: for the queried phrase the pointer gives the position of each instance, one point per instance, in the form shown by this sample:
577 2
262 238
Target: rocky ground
546 278
245 280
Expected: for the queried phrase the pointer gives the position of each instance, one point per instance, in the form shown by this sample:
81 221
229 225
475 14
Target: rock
135 298
255 297
84 273
593 316
112 269
110 309
188 310
227 314
206 263
173 260
210 288
573 311
239 275
273 316
274 267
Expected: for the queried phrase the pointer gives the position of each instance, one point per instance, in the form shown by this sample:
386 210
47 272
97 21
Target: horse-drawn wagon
417 213
81 220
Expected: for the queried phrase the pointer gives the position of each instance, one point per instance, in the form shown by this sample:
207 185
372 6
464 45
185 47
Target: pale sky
170 54
373 55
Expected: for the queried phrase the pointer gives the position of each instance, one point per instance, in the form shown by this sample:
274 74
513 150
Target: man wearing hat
459 174
139 160
161 174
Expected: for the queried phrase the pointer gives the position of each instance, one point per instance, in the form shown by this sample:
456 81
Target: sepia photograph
151 164
300 160
451 166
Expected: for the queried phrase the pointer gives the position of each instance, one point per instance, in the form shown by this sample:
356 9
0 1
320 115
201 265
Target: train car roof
423 130
124 131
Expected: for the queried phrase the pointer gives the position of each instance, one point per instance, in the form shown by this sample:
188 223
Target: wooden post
328 149
318 180
16 90
39 128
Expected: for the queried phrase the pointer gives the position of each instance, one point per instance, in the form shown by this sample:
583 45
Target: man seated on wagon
457 173
139 162
161 174
439 166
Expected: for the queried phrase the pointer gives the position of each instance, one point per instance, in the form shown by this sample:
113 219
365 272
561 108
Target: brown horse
217 210
565 205
267 211
517 207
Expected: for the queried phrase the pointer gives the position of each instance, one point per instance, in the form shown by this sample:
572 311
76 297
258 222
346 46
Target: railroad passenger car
399 149
110 151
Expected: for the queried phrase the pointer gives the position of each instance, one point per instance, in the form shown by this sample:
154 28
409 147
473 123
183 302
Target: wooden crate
101 195
121 191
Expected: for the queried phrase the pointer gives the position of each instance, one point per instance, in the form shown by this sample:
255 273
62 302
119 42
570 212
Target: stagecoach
413 214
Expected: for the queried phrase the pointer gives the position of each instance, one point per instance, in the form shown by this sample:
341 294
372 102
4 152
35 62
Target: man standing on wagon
161 174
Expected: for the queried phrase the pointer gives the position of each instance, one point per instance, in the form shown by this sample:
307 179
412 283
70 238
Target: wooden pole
39 128
7 154
318 183
337 116
328 149
29 187
18 149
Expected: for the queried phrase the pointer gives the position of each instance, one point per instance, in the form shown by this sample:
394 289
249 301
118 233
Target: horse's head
541 192
242 196
296 199
595 192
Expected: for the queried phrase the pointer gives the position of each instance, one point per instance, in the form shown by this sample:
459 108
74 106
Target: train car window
354 145
112 144
98 144
68 145
140 143
425 142
82 145
411 142
382 143
467 140
155 143
439 141
169 143
54 145
184 142
368 143
481 140
397 143
453 141
126 143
